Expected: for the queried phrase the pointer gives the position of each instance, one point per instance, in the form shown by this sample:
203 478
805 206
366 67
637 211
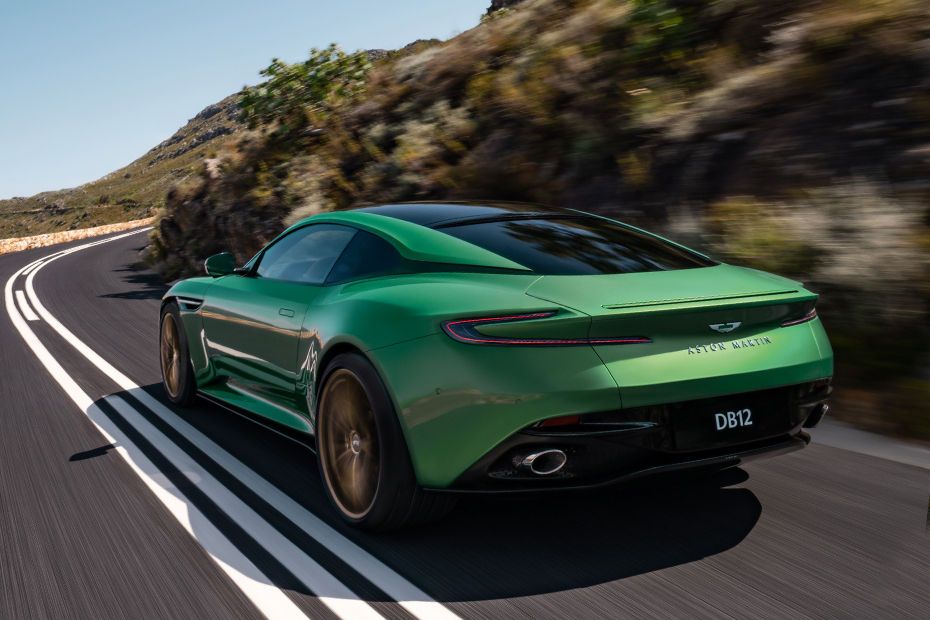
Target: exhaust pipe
545 463
817 415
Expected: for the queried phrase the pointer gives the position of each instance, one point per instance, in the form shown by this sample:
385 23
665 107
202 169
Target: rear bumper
724 460
456 402
619 446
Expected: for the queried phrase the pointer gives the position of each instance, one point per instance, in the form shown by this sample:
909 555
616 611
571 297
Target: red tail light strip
565 420
810 316
464 330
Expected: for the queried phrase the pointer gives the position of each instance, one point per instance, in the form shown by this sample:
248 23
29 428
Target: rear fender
457 401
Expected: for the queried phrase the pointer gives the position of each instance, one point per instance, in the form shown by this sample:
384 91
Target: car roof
413 241
434 214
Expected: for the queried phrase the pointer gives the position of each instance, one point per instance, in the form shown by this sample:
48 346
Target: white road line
410 597
24 307
329 590
32 266
340 599
269 600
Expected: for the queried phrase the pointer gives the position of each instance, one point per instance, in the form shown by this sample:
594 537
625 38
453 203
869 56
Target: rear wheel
177 373
362 454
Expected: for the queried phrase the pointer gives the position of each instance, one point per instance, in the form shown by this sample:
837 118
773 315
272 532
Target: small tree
293 92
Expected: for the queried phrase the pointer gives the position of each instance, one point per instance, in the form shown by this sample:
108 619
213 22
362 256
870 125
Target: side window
305 255
367 256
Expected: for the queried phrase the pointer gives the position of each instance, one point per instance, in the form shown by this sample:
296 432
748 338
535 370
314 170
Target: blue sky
88 86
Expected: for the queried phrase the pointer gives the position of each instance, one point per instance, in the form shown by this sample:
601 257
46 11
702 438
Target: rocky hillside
135 191
791 136
497 5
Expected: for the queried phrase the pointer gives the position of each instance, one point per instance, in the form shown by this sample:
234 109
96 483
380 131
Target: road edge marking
406 594
328 589
268 599
24 307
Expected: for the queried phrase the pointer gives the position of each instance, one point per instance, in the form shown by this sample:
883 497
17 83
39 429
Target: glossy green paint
190 294
220 265
456 398
192 288
253 328
243 398
687 358
457 401
370 315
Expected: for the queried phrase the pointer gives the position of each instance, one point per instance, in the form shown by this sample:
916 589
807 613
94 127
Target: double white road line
258 587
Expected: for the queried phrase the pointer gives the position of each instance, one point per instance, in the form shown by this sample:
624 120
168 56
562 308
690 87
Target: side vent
189 305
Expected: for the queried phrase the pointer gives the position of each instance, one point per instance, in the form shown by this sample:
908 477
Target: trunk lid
714 330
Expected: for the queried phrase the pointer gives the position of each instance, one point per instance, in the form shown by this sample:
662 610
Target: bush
295 93
863 250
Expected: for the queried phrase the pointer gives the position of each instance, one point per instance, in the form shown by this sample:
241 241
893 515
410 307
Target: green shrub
294 92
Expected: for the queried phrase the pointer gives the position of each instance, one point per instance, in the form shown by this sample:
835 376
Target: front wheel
177 373
362 454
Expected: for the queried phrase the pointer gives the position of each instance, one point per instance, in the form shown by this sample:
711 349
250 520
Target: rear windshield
576 246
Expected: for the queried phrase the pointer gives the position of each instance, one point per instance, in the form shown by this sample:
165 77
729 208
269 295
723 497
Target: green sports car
435 349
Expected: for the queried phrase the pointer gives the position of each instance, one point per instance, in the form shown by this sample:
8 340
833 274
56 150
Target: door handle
286 312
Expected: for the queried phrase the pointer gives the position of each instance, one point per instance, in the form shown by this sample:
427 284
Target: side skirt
282 420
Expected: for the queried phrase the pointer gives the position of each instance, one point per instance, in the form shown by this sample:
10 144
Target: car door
252 321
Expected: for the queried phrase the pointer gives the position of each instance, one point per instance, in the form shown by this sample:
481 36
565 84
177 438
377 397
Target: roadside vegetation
790 136
133 192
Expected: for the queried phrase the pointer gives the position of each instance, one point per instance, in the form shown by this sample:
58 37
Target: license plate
716 422
727 420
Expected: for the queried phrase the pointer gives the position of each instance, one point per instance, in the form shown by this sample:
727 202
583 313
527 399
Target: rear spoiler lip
699 300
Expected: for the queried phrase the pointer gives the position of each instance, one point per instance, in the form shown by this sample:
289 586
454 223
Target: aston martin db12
430 349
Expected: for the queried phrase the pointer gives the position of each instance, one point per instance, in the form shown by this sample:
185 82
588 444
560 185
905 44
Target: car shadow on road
185 494
140 283
494 547
557 542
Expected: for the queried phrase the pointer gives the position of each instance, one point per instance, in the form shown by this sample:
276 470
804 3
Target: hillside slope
789 136
133 192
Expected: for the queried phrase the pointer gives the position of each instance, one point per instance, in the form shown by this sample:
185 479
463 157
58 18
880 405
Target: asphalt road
112 505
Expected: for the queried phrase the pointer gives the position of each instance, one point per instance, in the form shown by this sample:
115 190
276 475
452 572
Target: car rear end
704 381
711 364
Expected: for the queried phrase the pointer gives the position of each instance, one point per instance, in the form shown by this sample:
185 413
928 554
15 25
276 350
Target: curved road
114 505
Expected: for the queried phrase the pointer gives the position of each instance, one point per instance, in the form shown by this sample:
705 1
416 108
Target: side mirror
220 265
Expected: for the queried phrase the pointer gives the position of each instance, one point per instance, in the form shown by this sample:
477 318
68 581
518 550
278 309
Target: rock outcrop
497 5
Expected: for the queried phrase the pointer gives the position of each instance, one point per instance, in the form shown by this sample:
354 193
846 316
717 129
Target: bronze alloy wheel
349 449
171 358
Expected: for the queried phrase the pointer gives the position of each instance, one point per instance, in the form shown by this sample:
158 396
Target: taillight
565 420
465 330
810 316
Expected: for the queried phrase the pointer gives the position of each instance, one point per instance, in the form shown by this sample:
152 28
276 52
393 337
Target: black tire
177 372
395 500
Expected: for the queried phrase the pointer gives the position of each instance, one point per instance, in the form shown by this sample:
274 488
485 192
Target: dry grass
134 192
41 241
